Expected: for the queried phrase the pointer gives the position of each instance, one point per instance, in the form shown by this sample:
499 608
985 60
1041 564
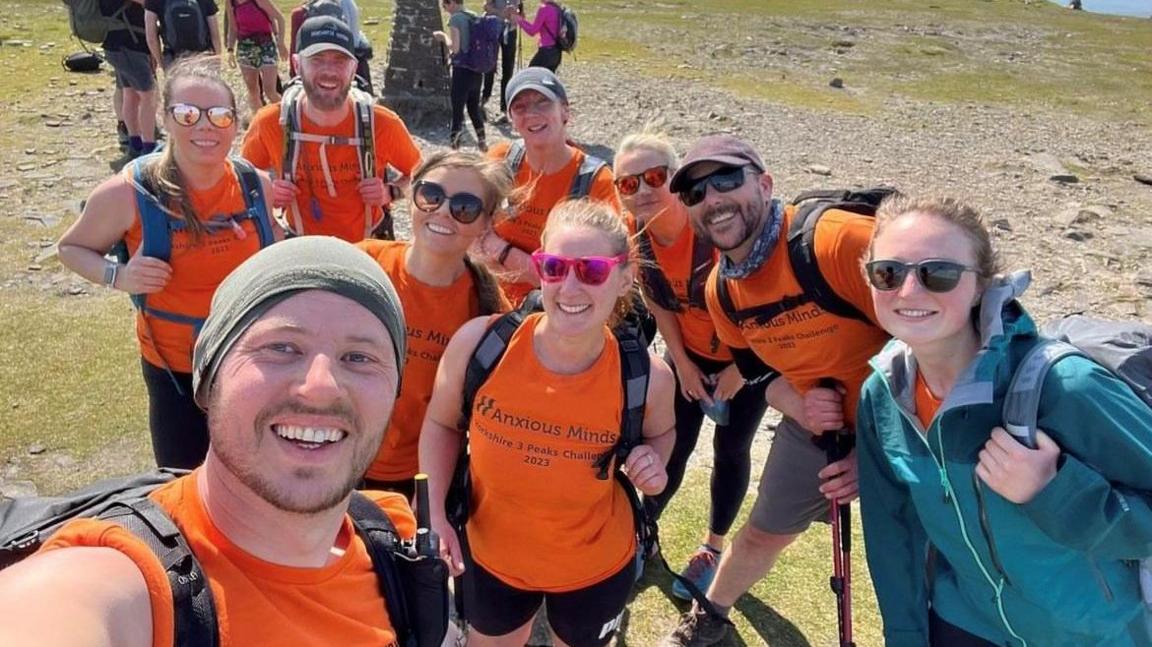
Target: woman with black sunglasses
544 524
453 198
676 267
1027 546
205 213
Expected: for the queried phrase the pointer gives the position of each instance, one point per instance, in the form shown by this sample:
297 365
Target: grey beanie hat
279 272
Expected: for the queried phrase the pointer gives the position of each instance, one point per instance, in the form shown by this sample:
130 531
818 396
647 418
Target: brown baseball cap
723 149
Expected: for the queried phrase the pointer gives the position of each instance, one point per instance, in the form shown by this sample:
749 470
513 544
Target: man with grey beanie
298 366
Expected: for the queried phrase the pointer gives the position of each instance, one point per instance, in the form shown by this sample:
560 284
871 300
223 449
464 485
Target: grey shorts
789 499
133 69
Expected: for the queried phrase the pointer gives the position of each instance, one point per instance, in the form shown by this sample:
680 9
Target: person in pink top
545 25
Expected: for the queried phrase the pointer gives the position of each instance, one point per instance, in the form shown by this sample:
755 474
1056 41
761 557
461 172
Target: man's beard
323 98
742 214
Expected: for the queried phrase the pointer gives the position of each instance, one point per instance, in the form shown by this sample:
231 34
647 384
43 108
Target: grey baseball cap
540 79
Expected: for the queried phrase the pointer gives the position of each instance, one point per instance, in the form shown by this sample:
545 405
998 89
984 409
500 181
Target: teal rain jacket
1058 570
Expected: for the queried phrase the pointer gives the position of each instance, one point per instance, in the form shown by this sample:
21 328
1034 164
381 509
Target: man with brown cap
771 318
298 366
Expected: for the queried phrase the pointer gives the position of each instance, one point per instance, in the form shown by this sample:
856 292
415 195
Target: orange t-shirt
807 343
540 518
696 327
198 267
257 602
525 224
926 404
432 315
340 214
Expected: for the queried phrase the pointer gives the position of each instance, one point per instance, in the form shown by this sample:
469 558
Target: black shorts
587 617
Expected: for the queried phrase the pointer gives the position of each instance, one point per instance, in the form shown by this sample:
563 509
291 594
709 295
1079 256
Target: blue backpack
483 44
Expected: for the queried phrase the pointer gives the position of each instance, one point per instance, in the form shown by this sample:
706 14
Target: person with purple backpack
473 42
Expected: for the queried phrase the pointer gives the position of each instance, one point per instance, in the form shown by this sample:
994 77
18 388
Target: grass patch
800 94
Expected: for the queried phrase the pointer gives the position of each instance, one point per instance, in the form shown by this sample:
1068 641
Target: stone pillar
416 79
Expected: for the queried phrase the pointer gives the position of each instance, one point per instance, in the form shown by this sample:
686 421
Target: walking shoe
700 571
697 629
482 145
454 140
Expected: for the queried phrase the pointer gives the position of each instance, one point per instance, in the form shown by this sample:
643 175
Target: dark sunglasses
934 275
590 270
724 179
188 115
463 207
654 177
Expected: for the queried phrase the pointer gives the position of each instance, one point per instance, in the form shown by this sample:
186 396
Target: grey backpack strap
1022 402
515 157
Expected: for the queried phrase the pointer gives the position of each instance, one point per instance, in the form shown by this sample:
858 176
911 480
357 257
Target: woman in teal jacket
974 539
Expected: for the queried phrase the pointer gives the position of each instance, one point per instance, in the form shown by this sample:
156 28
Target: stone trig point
416 79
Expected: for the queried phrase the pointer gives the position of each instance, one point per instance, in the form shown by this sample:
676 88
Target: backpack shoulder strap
254 203
725 299
656 285
585 175
379 535
515 157
492 346
193 606
703 259
365 133
1021 409
290 123
635 371
802 256
156 238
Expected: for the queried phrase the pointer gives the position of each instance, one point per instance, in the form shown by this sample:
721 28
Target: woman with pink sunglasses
543 524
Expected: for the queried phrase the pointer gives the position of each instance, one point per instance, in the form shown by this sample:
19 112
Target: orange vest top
541 520
432 314
524 229
342 214
198 267
258 603
808 343
696 327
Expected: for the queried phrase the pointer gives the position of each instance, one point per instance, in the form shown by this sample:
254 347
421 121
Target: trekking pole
837 445
427 543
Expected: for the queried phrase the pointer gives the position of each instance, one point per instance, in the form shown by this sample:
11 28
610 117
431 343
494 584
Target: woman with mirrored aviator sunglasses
210 215
453 197
542 527
1033 546
677 263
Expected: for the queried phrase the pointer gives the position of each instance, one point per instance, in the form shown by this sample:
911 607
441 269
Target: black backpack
569 27
185 27
415 590
814 288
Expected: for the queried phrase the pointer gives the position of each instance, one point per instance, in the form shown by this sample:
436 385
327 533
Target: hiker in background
206 214
542 527
546 26
508 41
454 196
463 27
304 339
126 50
778 328
1032 546
331 165
183 27
676 269
256 42
548 167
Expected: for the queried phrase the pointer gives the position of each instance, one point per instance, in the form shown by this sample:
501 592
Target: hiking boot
482 145
697 629
700 571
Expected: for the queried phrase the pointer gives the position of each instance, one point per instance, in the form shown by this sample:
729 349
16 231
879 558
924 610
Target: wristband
504 253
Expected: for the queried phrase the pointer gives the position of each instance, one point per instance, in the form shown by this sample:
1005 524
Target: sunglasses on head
724 179
654 177
934 275
188 115
590 270
463 207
